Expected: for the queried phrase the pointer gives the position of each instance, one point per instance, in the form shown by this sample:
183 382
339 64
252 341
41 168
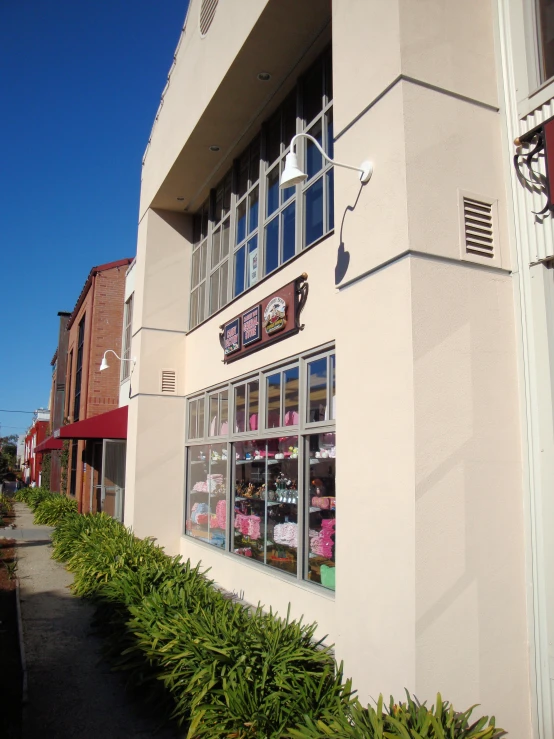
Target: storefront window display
207 494
266 501
321 507
264 487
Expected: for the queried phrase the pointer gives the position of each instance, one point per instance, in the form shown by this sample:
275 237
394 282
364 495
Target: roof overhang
285 40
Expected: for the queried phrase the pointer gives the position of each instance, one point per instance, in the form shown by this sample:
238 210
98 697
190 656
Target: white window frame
127 338
303 430
200 291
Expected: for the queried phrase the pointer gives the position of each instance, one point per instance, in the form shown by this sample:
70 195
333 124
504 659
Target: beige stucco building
415 385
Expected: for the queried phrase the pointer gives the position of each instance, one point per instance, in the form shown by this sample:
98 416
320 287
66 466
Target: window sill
315 589
261 282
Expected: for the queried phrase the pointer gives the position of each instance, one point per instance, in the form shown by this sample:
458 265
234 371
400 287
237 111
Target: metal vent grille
207 13
169 381
478 228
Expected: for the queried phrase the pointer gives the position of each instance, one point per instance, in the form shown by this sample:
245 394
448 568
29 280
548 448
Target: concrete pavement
71 692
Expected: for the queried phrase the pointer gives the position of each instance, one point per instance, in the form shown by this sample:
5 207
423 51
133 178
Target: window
69 375
249 227
218 404
545 21
265 490
247 211
196 418
127 336
73 469
79 370
219 245
206 500
199 262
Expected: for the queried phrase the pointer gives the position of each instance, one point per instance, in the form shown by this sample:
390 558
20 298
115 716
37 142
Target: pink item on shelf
239 518
221 513
243 551
244 525
328 523
254 422
286 533
213 521
254 527
201 519
291 418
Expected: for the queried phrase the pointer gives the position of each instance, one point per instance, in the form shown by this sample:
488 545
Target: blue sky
80 84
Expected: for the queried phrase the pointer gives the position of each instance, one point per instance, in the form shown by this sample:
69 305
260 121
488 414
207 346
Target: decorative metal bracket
537 137
302 289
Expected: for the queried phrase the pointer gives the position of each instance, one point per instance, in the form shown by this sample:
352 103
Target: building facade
93 327
36 434
57 397
372 360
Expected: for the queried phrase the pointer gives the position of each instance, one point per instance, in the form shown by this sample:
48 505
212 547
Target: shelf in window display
258 459
263 500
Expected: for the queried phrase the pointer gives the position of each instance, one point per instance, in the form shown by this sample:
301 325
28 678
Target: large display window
207 493
261 468
266 501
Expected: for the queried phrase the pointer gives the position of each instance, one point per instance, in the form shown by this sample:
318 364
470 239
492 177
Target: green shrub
22 495
33 497
52 509
410 720
6 505
220 668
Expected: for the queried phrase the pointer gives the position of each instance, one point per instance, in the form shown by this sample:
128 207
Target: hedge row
49 508
220 668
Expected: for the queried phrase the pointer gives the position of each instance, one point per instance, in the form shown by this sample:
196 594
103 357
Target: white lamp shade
292 174
104 364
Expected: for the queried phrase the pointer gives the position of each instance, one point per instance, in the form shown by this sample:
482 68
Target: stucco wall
430 565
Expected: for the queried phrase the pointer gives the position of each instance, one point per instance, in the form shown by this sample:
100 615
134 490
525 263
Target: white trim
531 344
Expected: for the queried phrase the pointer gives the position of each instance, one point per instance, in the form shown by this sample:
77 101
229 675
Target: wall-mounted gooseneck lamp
104 364
293 175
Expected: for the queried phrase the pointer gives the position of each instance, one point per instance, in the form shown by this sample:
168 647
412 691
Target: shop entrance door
113 477
96 477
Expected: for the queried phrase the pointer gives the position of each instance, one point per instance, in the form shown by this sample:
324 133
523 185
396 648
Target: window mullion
298 194
262 395
263 206
209 247
233 231
261 210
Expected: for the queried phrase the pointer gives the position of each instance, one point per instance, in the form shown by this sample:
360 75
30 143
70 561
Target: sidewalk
71 692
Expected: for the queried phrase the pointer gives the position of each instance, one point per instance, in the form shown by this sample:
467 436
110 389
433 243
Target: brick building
57 397
94 326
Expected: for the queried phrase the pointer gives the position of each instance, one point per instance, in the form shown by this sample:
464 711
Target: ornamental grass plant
409 720
217 666
33 497
53 508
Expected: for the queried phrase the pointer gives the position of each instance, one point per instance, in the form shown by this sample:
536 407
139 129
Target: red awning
49 445
110 425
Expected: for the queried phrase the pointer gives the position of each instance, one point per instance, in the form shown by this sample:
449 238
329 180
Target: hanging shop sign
231 337
273 319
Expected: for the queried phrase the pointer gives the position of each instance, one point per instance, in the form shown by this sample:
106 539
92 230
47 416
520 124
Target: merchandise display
265 489
321 507
206 500
266 501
